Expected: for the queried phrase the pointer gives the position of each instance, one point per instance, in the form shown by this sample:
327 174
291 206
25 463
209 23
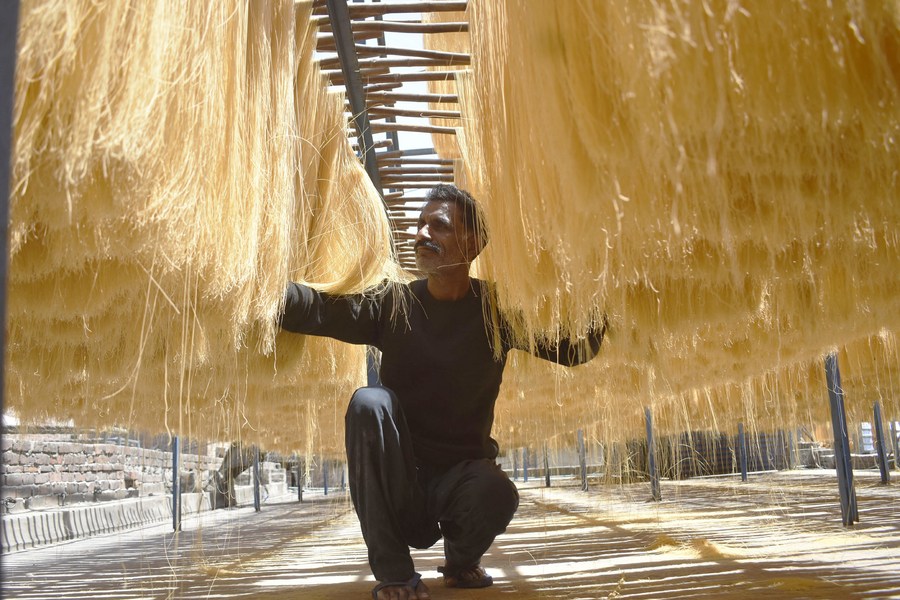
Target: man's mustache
430 245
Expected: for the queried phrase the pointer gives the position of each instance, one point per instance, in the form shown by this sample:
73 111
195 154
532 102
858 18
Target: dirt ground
777 536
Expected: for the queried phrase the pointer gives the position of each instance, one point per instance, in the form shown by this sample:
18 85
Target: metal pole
582 460
792 450
879 446
896 442
842 459
524 464
343 476
9 20
781 456
742 451
325 477
651 456
300 481
256 501
515 464
546 467
176 486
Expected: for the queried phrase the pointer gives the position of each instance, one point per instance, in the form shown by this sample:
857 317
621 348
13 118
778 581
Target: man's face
441 237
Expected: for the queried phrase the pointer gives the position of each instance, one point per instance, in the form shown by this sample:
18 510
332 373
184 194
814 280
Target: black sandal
470 578
412 583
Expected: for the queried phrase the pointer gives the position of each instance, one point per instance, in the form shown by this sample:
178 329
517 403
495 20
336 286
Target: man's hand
596 334
404 592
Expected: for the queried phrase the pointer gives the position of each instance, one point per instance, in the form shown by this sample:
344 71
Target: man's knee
498 496
369 403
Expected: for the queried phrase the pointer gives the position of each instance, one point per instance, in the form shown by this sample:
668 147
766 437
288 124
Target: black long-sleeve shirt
437 357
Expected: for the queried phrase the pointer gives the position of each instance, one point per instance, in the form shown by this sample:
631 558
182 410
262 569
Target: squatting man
419 449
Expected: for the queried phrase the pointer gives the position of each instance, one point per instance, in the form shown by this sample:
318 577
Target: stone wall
42 470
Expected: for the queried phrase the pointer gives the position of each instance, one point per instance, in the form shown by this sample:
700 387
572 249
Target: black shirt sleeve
352 318
570 353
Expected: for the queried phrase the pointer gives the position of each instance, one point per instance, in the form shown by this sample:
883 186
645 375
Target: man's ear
474 245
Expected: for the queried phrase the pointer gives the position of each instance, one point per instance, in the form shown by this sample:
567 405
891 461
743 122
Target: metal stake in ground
176 486
525 464
742 451
546 467
582 460
256 501
651 456
895 438
880 447
842 460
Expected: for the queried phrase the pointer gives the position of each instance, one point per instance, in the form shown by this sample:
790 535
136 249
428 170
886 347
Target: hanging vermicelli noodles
175 164
719 177
445 145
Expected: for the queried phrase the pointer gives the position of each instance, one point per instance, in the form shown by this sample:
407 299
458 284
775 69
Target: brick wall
37 466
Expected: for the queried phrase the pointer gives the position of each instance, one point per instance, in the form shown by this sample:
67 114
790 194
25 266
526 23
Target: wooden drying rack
368 73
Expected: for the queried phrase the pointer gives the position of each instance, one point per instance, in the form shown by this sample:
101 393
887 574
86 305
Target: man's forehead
440 207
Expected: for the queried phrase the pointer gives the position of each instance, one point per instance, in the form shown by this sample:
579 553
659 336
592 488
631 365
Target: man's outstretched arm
352 318
571 353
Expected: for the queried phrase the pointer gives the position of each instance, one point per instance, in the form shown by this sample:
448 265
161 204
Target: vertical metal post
651 456
516 464
842 459
300 481
343 476
176 485
879 446
792 450
9 22
525 464
742 451
781 450
325 476
896 441
582 460
256 501
546 467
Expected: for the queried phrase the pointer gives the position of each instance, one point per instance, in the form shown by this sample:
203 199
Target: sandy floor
777 536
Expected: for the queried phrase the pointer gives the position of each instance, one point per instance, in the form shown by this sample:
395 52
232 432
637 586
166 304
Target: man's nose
423 233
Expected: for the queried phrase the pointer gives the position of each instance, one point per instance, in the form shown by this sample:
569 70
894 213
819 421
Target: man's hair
472 212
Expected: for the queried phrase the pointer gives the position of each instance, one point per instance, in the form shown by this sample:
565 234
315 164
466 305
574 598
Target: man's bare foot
404 592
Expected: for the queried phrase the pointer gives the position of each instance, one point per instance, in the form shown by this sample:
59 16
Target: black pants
400 505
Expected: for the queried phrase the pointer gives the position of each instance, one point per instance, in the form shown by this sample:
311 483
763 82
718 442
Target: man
419 451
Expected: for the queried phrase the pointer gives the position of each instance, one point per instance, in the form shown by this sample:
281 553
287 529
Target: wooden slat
378 144
359 10
414 178
325 42
377 111
366 50
394 158
403 97
410 27
414 170
382 87
400 171
420 76
414 186
339 74
379 127
379 61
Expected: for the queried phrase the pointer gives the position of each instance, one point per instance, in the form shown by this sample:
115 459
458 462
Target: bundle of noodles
445 144
537 398
174 166
719 178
